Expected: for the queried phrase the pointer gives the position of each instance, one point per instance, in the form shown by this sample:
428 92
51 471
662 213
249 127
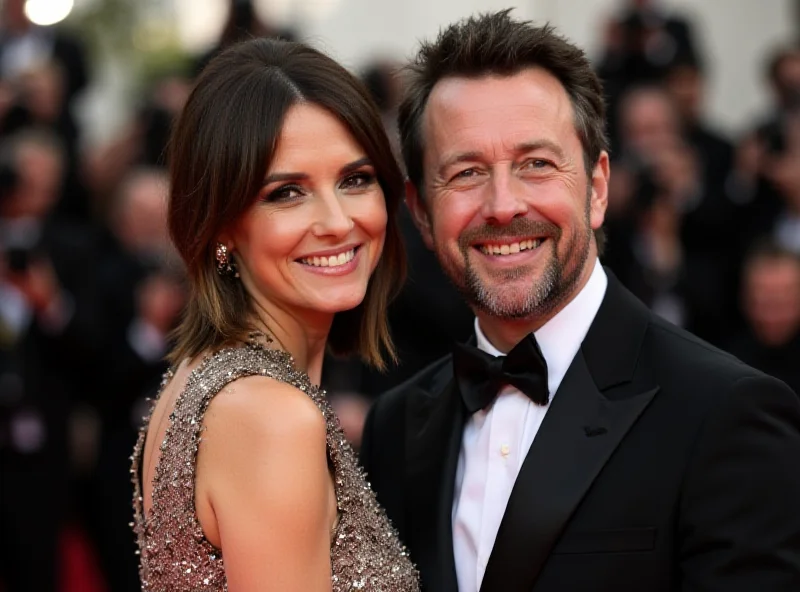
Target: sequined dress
174 554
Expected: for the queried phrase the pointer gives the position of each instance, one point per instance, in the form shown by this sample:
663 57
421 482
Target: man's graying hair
495 44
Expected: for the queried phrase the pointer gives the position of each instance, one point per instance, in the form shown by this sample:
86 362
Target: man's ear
599 192
419 213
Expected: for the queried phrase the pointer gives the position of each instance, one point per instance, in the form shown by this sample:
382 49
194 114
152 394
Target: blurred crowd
703 227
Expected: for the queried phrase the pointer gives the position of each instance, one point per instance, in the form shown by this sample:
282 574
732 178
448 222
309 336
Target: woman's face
314 233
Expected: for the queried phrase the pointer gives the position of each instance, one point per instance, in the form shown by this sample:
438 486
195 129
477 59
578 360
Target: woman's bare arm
264 491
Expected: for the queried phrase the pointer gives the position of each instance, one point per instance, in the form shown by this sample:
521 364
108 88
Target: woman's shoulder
264 407
263 446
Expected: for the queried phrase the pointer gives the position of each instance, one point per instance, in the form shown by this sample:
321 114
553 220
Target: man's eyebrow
458 157
540 145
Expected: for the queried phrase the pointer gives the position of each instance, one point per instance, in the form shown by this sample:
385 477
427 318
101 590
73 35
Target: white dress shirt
496 440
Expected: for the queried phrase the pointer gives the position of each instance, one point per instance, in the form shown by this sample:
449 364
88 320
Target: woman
283 198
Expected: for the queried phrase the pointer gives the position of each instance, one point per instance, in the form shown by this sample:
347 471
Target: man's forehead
532 83
513 106
455 97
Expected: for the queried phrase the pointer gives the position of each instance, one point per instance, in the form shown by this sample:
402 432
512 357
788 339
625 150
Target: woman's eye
358 181
285 193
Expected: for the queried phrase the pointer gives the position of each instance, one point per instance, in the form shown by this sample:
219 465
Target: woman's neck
304 338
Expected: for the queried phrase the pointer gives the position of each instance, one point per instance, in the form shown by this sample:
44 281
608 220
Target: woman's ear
225 238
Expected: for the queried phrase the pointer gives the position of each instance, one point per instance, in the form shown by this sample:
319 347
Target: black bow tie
480 376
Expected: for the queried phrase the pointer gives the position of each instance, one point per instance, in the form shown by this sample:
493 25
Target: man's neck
504 334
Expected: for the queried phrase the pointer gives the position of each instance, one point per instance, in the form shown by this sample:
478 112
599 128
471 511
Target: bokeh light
48 12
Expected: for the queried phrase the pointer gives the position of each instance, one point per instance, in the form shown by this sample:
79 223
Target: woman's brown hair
219 153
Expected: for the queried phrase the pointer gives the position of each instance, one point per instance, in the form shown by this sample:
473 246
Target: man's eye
466 173
536 164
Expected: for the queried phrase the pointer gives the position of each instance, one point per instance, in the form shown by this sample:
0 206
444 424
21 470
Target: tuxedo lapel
433 440
577 437
579 434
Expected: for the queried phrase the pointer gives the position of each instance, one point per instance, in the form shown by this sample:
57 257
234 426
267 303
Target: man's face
649 124
772 300
787 84
506 202
685 84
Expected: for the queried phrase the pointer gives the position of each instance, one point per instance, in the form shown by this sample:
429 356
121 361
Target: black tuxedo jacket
662 464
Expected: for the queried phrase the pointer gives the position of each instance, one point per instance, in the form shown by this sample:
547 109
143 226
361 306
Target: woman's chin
339 303
344 307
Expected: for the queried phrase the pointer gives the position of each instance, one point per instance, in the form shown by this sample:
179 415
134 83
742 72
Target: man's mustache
518 227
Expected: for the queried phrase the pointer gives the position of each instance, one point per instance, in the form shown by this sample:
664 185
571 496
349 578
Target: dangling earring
225 264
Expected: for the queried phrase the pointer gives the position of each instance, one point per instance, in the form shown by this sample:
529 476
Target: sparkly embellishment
225 264
174 554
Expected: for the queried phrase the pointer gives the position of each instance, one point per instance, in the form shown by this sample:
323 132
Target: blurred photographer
783 76
36 98
641 43
771 174
682 235
43 70
770 298
24 45
27 281
48 341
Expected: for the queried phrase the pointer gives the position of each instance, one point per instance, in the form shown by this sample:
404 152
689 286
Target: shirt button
505 450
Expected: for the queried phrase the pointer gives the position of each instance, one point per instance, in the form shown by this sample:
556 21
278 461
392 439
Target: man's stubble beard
547 292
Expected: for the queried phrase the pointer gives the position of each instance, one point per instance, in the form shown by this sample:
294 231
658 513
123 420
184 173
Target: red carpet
79 570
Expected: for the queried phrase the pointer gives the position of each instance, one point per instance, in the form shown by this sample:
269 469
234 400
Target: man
609 450
770 297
